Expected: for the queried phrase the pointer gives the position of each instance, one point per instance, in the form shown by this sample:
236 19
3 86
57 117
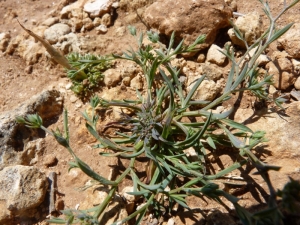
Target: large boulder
188 18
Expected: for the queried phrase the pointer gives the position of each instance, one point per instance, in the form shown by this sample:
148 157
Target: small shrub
159 133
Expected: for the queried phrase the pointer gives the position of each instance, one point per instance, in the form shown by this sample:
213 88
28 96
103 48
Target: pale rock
126 81
88 23
111 77
215 56
70 43
23 189
250 26
102 29
50 21
297 83
201 58
129 197
129 69
212 72
76 24
53 33
232 4
137 83
284 64
261 60
115 211
171 221
106 19
32 149
97 22
204 18
282 79
207 90
97 7
30 51
69 8
290 41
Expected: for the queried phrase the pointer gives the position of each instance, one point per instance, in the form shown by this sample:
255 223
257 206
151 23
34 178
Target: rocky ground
31 82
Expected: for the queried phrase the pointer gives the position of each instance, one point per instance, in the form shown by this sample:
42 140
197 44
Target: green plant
86 72
163 126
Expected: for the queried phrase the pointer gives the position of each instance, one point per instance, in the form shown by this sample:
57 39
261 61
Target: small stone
106 20
129 197
102 29
126 81
68 86
215 56
171 221
97 21
136 83
120 31
88 23
53 33
112 77
97 8
50 160
201 58
73 98
50 21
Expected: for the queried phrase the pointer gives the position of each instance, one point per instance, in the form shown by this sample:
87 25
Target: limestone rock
215 56
88 23
111 77
50 21
212 72
188 18
290 41
14 137
137 83
97 7
23 189
69 8
207 90
53 33
250 26
102 29
282 70
106 19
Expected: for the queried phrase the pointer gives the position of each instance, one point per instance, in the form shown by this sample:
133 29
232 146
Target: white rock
69 8
250 26
53 33
128 197
215 56
102 29
97 7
